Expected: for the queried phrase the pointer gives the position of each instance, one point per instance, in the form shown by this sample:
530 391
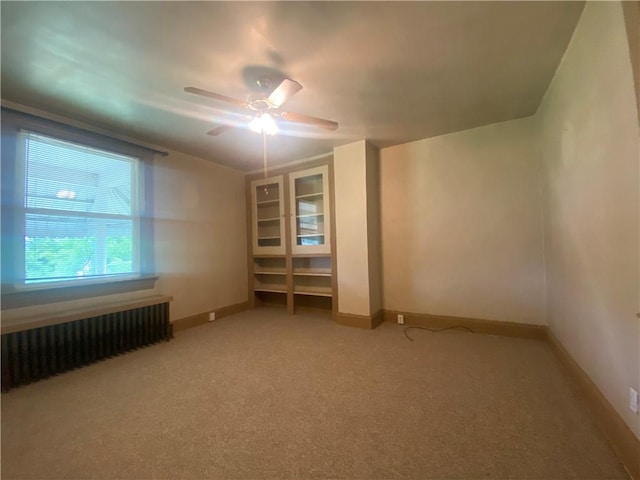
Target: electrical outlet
633 399
212 316
401 319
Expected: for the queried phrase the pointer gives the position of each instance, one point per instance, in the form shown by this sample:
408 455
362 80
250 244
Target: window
80 211
76 219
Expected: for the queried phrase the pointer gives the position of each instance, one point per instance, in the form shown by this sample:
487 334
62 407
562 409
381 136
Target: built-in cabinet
268 216
310 226
291 243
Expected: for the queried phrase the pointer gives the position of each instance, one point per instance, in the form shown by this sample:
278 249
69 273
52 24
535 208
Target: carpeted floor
265 395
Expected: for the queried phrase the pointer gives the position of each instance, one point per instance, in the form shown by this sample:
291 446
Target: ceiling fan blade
215 96
283 92
219 130
309 120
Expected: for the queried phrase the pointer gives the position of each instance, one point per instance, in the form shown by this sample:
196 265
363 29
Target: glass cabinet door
310 225
268 216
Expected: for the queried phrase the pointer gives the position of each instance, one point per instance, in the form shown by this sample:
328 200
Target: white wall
200 234
590 145
461 227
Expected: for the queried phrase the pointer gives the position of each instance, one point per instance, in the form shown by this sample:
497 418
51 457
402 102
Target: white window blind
81 211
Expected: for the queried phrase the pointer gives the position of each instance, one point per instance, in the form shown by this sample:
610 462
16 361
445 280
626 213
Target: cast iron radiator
31 355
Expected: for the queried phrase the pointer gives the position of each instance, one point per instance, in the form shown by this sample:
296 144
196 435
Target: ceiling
390 72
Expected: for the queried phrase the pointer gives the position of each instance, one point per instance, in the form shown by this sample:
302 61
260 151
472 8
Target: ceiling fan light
255 125
263 123
269 124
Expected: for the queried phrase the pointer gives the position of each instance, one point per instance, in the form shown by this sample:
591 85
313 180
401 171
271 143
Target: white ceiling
390 72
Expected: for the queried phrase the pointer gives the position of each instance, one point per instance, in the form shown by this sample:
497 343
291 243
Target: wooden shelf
268 202
306 215
271 290
310 235
270 275
265 220
312 273
272 238
269 265
316 291
310 195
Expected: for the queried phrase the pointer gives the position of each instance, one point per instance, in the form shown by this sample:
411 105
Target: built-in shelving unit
292 262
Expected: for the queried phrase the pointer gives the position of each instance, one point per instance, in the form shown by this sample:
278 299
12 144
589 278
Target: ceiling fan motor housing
265 84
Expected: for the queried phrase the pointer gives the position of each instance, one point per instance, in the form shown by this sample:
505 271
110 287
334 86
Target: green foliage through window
48 258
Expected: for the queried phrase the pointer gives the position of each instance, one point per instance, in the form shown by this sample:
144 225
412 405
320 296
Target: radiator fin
38 353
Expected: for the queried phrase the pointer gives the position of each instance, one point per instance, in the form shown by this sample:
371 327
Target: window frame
15 292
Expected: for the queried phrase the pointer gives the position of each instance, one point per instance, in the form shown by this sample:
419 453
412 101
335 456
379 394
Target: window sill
63 293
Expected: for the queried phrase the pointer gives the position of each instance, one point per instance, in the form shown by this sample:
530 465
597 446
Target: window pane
66 248
65 176
80 211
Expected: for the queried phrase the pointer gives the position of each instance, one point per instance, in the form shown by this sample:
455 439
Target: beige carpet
265 395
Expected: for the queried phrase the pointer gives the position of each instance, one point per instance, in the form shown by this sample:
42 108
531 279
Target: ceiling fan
264 109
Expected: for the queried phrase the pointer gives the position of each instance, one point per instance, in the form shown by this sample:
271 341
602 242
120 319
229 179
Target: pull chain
264 157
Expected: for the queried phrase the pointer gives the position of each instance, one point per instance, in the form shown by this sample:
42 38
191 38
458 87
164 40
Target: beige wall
372 165
200 215
357 206
350 180
591 153
461 227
